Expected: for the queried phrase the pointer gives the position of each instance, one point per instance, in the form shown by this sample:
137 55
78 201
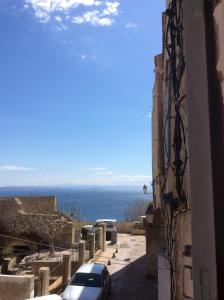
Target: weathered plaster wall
155 240
184 283
157 131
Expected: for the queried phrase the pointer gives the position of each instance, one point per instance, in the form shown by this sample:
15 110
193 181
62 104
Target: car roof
91 268
106 220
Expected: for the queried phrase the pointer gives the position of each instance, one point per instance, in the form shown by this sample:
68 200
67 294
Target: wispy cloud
101 175
93 169
131 25
87 57
149 115
62 11
105 173
15 168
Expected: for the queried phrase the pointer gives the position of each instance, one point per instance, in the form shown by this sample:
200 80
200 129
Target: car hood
74 292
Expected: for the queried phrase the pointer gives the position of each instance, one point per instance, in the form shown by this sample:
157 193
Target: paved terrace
128 270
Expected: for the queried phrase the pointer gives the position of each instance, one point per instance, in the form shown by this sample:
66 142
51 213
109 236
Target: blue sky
75 84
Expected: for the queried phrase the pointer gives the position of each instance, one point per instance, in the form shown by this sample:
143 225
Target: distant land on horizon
76 187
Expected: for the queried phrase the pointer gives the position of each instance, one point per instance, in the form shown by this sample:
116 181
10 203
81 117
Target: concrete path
127 270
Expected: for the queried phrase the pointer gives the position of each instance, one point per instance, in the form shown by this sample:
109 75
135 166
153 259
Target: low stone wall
138 231
16 287
56 268
124 227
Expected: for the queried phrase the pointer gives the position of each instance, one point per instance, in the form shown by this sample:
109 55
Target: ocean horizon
94 202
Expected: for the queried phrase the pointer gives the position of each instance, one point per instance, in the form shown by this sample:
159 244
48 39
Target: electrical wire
32 242
174 47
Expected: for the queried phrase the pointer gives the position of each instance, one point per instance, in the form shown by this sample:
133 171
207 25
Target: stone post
66 273
114 237
100 237
103 225
92 245
81 252
44 274
69 233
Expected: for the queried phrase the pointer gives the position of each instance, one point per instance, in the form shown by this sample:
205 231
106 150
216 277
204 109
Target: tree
136 209
76 213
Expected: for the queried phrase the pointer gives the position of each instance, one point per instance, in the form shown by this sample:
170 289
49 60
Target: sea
92 202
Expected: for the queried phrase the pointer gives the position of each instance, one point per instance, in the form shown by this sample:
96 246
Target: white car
91 282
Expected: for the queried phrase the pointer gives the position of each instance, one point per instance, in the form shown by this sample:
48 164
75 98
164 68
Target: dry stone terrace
35 217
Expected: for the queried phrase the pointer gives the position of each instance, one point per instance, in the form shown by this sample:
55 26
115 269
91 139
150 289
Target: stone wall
16 287
124 227
56 268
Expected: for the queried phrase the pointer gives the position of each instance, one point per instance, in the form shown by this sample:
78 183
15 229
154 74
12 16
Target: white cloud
96 177
15 168
97 3
94 18
58 19
131 25
44 10
111 8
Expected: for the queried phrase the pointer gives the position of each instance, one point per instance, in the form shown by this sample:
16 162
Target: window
86 279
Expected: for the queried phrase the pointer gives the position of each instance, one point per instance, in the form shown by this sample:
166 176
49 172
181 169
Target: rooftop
91 268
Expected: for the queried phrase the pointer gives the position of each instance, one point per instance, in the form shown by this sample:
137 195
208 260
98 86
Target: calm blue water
94 203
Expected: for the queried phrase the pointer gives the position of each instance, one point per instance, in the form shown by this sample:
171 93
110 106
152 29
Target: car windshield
109 225
86 279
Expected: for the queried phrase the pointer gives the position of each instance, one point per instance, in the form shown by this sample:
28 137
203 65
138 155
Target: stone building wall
28 204
155 241
183 263
170 231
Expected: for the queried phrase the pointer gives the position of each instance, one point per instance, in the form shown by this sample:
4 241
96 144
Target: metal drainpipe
200 153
